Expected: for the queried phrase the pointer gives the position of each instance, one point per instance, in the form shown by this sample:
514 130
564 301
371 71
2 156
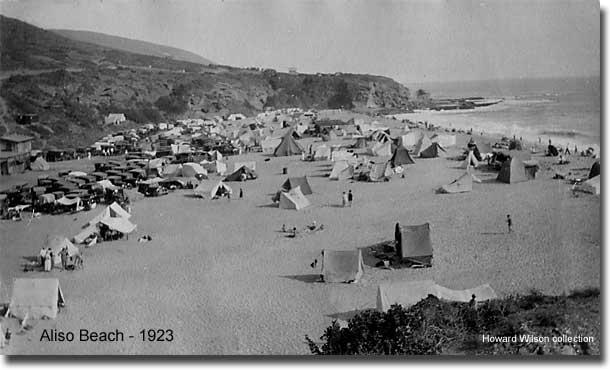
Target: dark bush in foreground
433 327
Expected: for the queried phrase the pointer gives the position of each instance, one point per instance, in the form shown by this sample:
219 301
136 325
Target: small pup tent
293 199
470 160
433 151
462 184
243 173
513 171
35 298
591 186
342 266
250 164
39 165
401 157
379 172
294 182
289 146
342 171
413 244
408 293
112 211
119 224
211 190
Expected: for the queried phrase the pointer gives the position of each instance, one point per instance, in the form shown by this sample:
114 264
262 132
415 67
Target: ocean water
566 111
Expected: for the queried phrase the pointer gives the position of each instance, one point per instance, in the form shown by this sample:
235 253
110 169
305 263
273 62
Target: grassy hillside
71 85
133 46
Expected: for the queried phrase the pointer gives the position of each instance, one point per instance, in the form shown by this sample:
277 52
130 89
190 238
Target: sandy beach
222 276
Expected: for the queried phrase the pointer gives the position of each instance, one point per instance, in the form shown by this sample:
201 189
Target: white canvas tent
193 169
211 190
381 149
293 199
269 144
250 164
57 243
322 153
112 211
342 171
462 184
444 140
35 298
342 266
408 293
470 160
591 186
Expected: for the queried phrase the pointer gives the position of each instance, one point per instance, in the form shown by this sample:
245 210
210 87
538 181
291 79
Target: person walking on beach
344 199
509 222
48 260
241 193
350 198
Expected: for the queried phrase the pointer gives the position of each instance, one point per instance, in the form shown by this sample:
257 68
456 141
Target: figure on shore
64 258
241 193
509 222
350 198
344 199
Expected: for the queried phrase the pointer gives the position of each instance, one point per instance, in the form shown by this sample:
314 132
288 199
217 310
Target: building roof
16 138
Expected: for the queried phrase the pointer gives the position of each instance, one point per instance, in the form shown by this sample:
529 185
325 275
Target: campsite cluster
193 157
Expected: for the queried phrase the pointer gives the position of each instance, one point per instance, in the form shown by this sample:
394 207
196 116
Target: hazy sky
409 40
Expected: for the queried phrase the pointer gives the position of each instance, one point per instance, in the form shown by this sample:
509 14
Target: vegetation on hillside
433 327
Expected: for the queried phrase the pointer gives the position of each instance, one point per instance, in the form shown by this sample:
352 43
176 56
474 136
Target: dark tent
413 243
401 156
243 173
553 151
288 146
433 151
475 150
512 171
595 170
359 144
515 145
293 182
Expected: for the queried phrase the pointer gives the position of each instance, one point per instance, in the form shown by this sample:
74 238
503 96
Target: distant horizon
414 41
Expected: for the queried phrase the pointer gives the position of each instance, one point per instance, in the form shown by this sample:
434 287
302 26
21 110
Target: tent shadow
493 233
368 253
190 195
490 181
346 316
308 278
335 206
270 205
320 175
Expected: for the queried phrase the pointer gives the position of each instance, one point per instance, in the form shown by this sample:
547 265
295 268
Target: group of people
347 199
47 258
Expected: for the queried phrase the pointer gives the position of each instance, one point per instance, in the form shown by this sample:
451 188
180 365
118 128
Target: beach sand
226 281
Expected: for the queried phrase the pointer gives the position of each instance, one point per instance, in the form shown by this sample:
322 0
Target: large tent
401 157
243 173
513 171
293 182
433 151
342 171
56 243
39 165
172 170
289 146
293 199
342 155
342 266
35 298
413 244
214 166
408 293
411 138
212 190
379 172
462 184
119 224
112 211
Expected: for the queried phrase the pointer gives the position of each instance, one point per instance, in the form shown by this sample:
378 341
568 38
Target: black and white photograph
301 179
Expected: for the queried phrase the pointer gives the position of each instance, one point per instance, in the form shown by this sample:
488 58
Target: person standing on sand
64 258
509 222
241 193
350 197
344 199
48 260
